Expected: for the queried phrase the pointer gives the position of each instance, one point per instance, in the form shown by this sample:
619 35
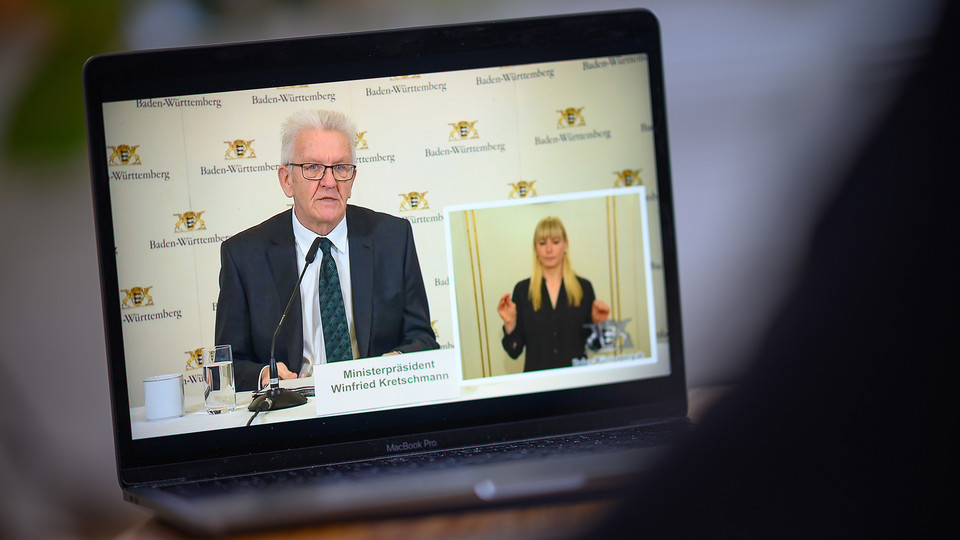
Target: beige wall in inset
493 250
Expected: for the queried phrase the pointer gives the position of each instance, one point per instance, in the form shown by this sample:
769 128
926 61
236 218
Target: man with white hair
364 296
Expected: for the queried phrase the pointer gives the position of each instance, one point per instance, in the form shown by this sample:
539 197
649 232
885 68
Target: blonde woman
548 312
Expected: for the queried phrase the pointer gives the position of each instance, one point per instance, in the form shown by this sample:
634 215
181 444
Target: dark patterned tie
336 335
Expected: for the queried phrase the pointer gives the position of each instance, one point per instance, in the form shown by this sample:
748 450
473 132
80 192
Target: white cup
163 396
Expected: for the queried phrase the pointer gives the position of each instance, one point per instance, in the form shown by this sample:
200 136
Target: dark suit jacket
258 273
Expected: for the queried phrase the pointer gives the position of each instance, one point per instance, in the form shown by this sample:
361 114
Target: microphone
276 397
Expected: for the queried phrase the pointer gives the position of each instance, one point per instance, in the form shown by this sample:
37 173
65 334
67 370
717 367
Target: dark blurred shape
837 429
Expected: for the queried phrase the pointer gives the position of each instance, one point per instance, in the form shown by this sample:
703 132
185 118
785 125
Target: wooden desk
548 521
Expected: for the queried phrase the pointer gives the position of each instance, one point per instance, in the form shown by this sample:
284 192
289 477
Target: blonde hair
321 120
552 227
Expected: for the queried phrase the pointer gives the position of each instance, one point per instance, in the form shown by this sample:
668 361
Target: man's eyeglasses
342 172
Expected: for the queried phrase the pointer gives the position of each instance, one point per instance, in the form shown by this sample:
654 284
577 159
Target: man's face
319 204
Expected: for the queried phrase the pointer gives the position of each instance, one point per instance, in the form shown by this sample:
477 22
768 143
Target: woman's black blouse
552 336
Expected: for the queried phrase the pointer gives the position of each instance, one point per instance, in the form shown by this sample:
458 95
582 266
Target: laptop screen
507 150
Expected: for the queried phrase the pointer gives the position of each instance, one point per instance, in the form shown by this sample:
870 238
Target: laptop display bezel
287 62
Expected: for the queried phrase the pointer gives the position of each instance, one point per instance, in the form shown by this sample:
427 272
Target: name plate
386 381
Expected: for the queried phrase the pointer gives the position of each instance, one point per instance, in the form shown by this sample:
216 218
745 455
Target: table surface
552 520
196 418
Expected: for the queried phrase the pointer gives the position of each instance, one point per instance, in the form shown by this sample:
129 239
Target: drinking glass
220 388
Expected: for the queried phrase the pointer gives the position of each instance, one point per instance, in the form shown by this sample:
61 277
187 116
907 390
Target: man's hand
282 373
507 310
599 312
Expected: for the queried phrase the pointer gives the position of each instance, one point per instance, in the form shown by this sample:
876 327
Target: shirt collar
304 236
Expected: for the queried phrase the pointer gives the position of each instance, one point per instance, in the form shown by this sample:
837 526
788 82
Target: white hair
319 120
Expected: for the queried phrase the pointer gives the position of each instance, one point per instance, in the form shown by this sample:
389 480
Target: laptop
471 134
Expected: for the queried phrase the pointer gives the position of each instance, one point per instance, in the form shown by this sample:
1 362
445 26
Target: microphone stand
282 398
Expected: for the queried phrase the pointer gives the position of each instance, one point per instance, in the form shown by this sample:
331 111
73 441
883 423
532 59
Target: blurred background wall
767 102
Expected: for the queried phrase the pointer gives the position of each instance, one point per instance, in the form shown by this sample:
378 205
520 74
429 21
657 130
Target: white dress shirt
314 351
